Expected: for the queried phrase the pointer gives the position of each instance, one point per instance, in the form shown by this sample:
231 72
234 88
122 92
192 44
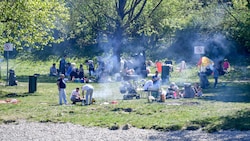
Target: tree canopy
31 23
126 26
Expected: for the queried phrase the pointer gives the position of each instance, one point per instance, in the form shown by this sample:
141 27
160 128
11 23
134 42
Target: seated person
53 70
172 91
156 80
85 79
75 96
226 66
130 71
75 74
197 90
69 70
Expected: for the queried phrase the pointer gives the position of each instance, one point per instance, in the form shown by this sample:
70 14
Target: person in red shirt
226 65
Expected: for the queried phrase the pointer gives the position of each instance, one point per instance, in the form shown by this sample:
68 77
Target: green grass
226 107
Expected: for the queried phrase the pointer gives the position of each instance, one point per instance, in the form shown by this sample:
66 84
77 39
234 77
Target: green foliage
126 26
32 23
237 24
228 18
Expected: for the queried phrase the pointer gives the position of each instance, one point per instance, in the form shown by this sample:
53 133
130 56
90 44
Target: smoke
217 48
132 55
108 91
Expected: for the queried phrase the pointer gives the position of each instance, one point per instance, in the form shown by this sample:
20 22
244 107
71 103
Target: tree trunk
117 45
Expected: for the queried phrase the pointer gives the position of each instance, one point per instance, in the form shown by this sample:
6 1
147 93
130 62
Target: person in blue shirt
156 80
53 70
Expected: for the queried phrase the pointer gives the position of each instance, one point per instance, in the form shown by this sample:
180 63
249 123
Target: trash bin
204 83
32 83
188 91
165 74
12 78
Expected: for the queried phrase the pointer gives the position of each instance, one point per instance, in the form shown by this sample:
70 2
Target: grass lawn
227 107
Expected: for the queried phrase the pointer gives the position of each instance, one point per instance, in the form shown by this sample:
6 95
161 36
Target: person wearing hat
172 91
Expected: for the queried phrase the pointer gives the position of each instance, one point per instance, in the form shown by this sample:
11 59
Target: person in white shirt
183 66
89 93
75 96
147 85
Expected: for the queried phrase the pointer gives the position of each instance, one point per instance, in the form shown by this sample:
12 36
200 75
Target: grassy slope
224 108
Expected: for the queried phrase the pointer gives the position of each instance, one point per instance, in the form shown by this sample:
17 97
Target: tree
131 26
111 21
236 24
162 23
31 23
230 19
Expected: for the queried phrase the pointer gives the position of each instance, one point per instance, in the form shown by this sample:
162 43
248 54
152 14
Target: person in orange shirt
158 66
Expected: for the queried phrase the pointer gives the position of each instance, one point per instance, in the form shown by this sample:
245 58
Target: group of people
188 91
152 84
173 90
75 96
208 67
221 69
70 70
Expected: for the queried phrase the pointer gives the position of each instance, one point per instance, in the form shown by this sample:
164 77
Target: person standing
61 88
81 72
216 76
62 65
158 65
91 67
89 93
147 85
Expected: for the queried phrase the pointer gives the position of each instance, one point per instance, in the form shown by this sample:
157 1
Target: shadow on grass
4 94
238 121
40 78
231 92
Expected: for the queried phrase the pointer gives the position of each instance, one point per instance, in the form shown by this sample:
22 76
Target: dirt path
24 131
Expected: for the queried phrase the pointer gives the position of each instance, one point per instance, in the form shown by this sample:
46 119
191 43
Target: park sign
199 50
8 47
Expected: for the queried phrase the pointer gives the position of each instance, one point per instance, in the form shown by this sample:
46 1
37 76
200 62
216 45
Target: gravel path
34 131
